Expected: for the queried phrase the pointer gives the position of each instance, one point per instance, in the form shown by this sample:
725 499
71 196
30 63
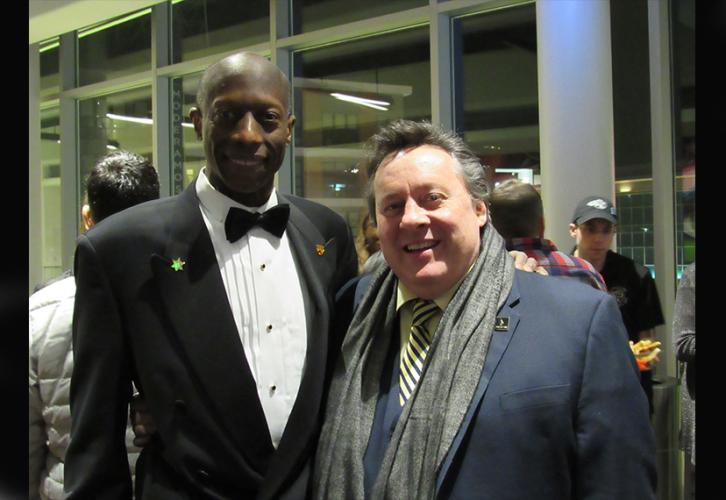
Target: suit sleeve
615 441
348 260
347 270
96 461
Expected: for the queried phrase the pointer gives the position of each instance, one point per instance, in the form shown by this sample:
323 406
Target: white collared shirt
265 295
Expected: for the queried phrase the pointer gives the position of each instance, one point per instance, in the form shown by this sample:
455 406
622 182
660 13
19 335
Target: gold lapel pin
320 249
177 264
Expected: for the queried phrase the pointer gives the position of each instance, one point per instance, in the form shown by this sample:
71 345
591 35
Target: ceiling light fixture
144 121
132 119
49 46
110 24
371 103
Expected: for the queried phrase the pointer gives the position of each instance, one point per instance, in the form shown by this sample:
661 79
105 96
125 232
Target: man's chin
427 283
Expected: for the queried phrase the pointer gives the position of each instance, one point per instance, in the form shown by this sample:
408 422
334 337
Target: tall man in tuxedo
221 318
461 378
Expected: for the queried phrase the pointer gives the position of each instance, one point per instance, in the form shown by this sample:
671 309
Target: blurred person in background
684 343
593 227
517 214
118 180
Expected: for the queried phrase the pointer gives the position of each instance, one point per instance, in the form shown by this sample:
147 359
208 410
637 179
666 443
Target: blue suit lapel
497 347
198 309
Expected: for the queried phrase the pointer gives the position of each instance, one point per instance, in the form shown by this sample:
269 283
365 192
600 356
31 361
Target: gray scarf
434 413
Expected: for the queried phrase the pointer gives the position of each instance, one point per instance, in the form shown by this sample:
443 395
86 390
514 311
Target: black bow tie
239 221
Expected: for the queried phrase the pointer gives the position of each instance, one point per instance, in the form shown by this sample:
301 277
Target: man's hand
141 421
646 353
527 264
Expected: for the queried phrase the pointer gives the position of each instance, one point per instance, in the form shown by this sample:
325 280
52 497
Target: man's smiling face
428 223
245 127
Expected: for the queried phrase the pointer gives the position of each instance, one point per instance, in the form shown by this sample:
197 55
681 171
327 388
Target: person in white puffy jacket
118 180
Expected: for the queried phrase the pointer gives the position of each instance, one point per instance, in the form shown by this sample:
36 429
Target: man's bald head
247 64
243 118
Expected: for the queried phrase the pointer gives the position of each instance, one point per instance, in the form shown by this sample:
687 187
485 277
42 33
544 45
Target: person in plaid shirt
516 212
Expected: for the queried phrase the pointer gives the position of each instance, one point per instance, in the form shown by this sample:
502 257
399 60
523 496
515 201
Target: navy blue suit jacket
558 413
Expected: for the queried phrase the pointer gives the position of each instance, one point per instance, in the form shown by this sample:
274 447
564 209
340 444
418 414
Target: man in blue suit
463 378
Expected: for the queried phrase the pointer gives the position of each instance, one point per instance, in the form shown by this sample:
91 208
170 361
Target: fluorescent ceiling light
144 121
110 24
49 46
133 119
350 86
362 101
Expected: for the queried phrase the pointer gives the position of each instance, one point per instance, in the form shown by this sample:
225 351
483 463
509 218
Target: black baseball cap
595 207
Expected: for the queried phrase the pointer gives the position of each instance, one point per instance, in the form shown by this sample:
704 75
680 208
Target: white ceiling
48 18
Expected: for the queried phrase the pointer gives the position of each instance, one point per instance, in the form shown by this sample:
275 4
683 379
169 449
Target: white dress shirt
265 296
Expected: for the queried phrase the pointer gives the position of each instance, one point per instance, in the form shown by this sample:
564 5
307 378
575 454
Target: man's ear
196 117
481 212
573 230
87 217
290 126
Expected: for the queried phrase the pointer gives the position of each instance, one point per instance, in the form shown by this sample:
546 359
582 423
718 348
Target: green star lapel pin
177 264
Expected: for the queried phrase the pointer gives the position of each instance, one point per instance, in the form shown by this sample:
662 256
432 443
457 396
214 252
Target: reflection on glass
632 131
115 48
343 94
310 15
50 193
187 151
203 27
49 68
684 90
497 108
116 121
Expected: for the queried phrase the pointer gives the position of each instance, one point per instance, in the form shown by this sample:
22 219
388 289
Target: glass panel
310 15
497 107
49 68
115 121
632 133
50 193
115 48
203 27
343 94
684 95
187 150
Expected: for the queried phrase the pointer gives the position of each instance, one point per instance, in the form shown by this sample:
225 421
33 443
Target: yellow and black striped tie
413 357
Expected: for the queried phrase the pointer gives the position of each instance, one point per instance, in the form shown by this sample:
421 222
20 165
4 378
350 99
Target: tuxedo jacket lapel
497 346
198 309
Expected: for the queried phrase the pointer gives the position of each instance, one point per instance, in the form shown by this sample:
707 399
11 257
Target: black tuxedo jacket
173 334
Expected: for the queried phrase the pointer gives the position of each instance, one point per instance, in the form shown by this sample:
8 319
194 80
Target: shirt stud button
269 328
263 267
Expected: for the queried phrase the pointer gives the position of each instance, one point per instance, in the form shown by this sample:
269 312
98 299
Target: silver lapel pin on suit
501 324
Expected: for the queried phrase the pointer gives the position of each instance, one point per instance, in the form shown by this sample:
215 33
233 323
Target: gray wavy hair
404 134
